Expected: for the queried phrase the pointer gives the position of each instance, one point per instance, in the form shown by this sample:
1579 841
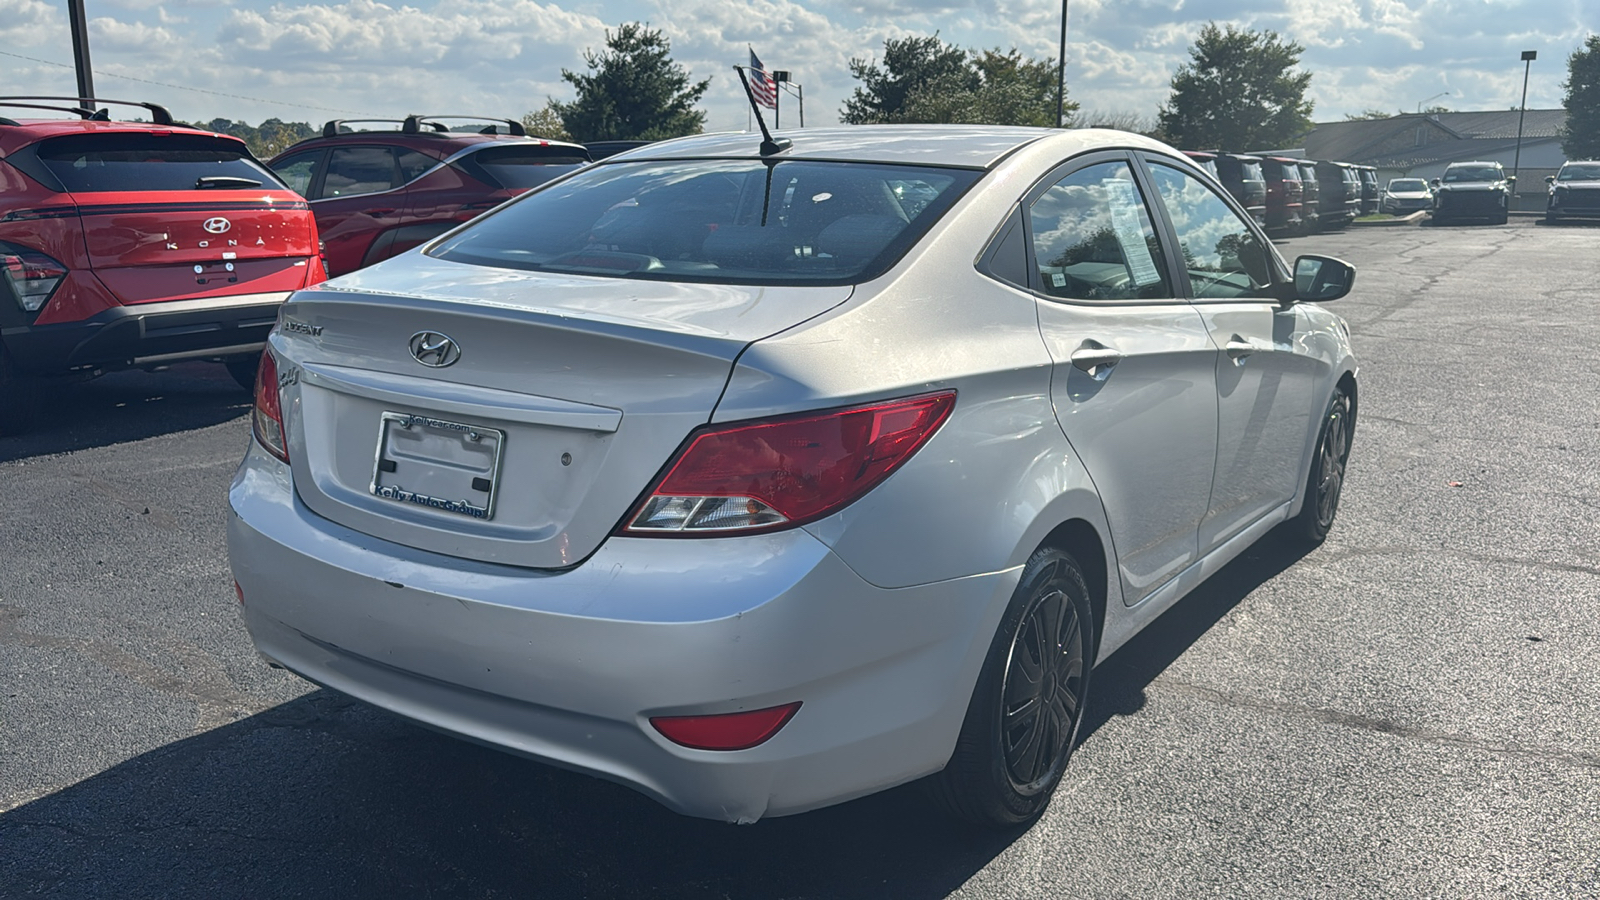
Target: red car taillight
762 476
266 421
32 275
730 731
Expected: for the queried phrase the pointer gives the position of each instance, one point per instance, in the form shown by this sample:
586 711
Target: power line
180 87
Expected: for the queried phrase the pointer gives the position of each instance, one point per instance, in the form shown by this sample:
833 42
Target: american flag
761 83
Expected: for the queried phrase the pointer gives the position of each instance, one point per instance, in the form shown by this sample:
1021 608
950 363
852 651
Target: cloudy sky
304 60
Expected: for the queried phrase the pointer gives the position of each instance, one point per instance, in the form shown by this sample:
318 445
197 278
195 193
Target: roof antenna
769 146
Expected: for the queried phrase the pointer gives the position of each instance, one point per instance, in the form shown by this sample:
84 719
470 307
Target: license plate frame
441 454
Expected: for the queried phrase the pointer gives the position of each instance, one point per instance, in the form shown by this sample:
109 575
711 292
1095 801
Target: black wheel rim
1331 458
1043 692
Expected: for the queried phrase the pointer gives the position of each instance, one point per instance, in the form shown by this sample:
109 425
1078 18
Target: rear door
171 215
359 196
1134 368
1265 374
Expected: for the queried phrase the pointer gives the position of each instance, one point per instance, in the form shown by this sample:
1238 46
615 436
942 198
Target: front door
1134 369
1265 372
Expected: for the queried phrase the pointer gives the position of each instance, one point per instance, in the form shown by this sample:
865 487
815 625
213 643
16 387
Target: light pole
780 79
80 51
1528 56
1434 97
1061 68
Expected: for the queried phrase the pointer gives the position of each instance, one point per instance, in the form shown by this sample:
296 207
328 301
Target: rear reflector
778 473
731 731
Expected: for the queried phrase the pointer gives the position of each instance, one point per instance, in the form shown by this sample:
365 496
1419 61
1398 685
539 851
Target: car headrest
857 240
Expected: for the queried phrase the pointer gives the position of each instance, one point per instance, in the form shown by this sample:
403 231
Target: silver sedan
761 482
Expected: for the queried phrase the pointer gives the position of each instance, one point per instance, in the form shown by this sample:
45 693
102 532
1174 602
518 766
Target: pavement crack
1381 726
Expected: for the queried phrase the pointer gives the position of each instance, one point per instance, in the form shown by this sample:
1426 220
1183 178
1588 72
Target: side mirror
1318 279
1434 183
1511 178
1549 179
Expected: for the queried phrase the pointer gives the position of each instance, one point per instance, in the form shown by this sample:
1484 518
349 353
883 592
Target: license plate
446 466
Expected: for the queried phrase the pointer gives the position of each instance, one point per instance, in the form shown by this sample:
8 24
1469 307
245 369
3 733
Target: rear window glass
526 167
1252 171
733 221
94 163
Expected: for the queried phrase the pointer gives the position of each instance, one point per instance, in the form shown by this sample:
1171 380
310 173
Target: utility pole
1528 56
1061 68
780 77
80 51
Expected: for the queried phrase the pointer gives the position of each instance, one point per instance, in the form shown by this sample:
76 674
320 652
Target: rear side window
522 167
731 221
97 163
296 171
358 170
1093 240
1252 171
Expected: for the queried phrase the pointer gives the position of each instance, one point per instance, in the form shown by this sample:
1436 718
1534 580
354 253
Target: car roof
1474 162
435 141
969 146
29 131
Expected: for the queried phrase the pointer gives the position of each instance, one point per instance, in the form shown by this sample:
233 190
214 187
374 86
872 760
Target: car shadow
324 796
1119 683
128 406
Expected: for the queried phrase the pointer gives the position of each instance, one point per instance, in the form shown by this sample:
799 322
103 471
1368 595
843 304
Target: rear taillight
730 731
762 476
266 422
33 277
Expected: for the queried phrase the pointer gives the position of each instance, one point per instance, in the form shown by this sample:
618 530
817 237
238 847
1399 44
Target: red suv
380 193
133 244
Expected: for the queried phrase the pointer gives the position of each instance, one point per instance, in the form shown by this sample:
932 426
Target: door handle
1096 360
1238 348
380 211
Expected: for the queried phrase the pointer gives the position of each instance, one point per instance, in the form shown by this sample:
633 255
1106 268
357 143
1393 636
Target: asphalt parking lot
1412 710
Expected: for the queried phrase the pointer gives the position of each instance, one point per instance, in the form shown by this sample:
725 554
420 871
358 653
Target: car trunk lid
558 399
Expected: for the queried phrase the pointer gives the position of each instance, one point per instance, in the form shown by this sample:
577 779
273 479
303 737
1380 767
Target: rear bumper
148 334
568 666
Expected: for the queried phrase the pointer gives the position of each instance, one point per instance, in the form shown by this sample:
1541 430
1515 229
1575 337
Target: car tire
1551 218
1022 722
1325 481
243 371
19 398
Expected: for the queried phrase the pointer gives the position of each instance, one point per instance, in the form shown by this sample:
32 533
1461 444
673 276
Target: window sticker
1058 279
1130 234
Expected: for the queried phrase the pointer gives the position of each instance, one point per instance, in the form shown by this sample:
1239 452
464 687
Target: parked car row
142 244
1289 196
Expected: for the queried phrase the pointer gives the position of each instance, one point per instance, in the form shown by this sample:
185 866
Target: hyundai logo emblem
217 225
434 349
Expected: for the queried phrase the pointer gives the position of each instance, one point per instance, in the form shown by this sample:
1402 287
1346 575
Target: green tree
633 91
1239 91
266 141
1012 89
546 123
1366 115
909 64
1580 134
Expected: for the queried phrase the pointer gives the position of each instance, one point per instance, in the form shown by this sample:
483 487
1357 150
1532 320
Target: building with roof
1421 146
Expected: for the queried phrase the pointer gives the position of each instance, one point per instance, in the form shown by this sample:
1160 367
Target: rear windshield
93 163
732 221
1471 173
526 167
1584 172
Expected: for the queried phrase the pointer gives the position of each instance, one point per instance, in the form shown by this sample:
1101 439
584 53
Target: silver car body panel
538 633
